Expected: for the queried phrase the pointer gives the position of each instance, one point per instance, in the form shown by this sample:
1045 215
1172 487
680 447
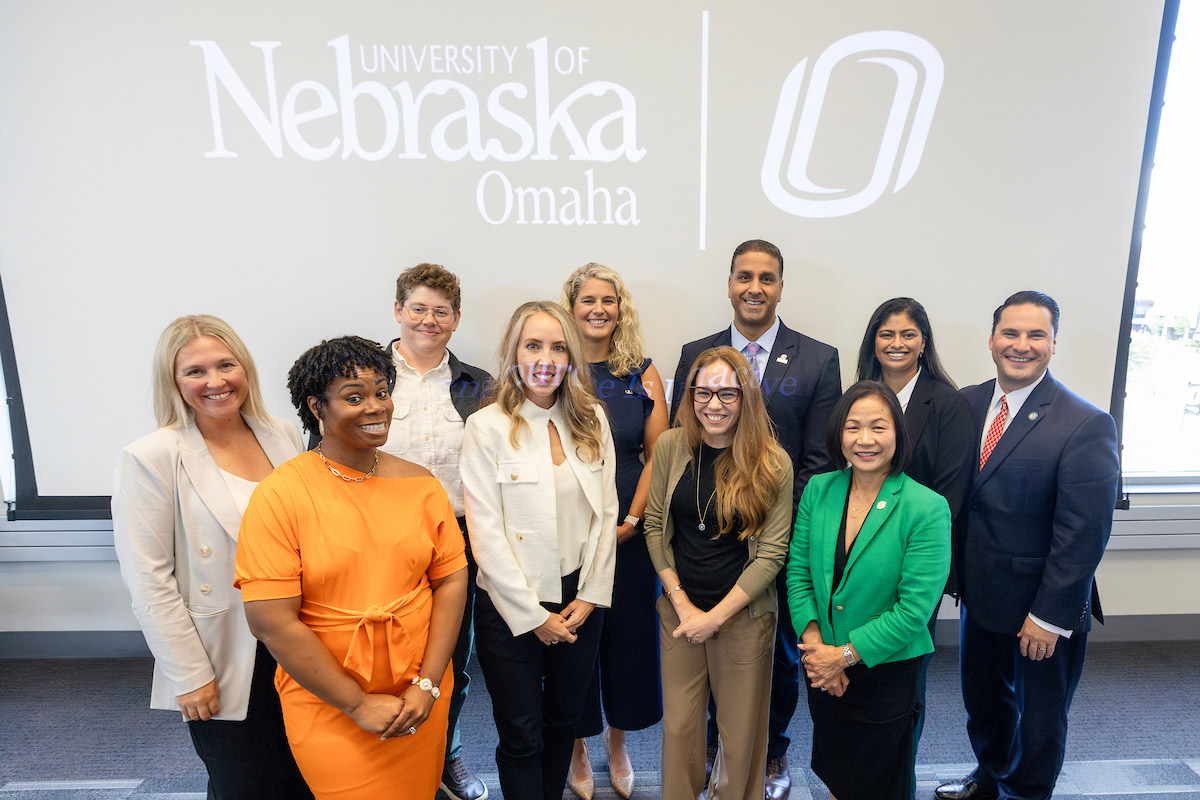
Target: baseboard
73 644
1129 628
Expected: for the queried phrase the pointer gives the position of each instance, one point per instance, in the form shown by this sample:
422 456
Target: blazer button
206 589
752 538
839 608
513 476
206 551
519 538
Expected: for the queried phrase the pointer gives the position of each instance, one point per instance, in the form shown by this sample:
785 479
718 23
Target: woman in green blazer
870 553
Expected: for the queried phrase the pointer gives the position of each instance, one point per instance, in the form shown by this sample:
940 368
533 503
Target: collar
1017 398
905 393
402 364
766 341
532 412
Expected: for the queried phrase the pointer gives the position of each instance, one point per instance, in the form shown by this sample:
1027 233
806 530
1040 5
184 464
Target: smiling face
421 330
596 310
210 379
1022 343
357 411
755 286
542 358
898 347
718 419
869 437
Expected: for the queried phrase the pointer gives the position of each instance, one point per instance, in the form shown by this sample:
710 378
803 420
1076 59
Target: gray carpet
81 729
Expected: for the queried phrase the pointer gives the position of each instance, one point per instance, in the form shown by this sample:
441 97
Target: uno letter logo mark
893 49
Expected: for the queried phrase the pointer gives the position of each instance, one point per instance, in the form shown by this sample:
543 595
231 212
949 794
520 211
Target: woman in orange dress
352 571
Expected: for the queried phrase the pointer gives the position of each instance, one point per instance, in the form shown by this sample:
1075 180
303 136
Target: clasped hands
561 627
391 716
698 626
825 666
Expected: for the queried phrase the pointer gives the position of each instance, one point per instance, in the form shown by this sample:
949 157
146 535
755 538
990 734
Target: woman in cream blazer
175 528
539 480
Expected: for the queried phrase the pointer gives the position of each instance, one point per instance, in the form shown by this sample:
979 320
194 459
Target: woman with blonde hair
631 390
538 474
718 522
179 498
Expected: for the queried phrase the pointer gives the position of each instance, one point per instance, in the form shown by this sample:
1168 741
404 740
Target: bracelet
632 520
426 685
669 592
848 654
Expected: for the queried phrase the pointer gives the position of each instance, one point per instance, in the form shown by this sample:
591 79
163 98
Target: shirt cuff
1063 632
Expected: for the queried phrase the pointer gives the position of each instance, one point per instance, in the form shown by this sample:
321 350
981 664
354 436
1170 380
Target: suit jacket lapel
1032 412
885 503
779 361
205 475
274 444
917 413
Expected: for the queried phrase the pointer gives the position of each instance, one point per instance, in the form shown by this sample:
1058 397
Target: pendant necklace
701 515
333 469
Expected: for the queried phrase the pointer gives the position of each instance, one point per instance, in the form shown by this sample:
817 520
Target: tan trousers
735 666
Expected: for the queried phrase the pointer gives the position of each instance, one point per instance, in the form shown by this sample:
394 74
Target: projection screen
279 164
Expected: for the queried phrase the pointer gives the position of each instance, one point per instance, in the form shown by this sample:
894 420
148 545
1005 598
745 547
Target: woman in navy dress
629 386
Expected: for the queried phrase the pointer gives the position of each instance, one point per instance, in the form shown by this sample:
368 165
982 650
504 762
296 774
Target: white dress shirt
905 393
426 428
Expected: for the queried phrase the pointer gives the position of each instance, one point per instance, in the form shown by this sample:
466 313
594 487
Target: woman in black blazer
898 349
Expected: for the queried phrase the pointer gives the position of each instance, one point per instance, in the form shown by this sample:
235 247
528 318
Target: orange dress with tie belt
360 556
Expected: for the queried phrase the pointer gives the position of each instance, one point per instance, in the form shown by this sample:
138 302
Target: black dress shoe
459 784
778 785
966 789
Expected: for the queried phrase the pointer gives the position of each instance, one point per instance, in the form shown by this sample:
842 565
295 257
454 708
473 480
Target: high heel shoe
622 782
579 776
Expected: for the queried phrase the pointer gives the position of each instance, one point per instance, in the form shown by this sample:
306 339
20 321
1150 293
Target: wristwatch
632 520
426 685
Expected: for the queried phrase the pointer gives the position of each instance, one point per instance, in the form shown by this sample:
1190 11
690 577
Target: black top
708 563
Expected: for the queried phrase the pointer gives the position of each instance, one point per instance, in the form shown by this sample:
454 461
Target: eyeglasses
729 395
441 314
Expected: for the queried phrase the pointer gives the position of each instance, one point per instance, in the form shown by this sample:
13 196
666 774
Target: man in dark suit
801 383
1036 521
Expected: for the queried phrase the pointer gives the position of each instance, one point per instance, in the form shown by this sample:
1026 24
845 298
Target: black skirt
863 740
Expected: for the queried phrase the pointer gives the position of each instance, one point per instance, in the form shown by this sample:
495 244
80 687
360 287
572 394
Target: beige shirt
426 428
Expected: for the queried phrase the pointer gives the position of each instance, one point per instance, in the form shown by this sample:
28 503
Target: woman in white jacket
539 481
177 505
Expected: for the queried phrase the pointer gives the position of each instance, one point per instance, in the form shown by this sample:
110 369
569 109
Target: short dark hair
343 357
1029 296
868 364
837 421
436 277
757 246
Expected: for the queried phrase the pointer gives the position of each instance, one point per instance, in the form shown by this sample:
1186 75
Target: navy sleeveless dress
627 674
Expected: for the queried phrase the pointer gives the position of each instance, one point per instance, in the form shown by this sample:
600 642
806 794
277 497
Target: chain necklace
333 469
702 515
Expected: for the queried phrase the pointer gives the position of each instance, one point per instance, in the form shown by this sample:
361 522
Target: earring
320 426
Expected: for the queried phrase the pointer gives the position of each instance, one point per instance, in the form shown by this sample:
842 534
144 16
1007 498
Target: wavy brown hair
576 394
746 473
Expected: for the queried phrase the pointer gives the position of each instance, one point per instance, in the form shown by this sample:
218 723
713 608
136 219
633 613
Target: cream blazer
175 528
511 512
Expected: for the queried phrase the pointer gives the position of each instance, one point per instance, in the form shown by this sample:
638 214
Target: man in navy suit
801 383
1033 529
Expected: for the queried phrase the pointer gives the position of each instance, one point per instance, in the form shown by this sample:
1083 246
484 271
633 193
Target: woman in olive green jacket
870 553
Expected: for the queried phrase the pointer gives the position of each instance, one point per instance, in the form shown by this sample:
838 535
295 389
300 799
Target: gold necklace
699 461
333 469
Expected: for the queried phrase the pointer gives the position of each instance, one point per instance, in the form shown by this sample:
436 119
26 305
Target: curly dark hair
343 357
436 277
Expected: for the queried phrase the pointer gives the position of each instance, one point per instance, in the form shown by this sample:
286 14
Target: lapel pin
628 391
1033 415
782 358
881 504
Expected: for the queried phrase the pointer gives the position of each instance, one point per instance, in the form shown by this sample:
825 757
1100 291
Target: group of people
614 562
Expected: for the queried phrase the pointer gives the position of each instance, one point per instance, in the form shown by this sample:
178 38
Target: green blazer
894 576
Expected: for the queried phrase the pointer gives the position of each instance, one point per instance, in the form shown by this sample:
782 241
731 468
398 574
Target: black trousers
251 759
537 695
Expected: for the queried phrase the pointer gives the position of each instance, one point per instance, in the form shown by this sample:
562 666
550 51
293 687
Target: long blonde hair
170 410
746 473
575 394
627 350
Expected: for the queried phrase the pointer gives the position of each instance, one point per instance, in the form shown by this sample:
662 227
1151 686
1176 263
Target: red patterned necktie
994 432
751 351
